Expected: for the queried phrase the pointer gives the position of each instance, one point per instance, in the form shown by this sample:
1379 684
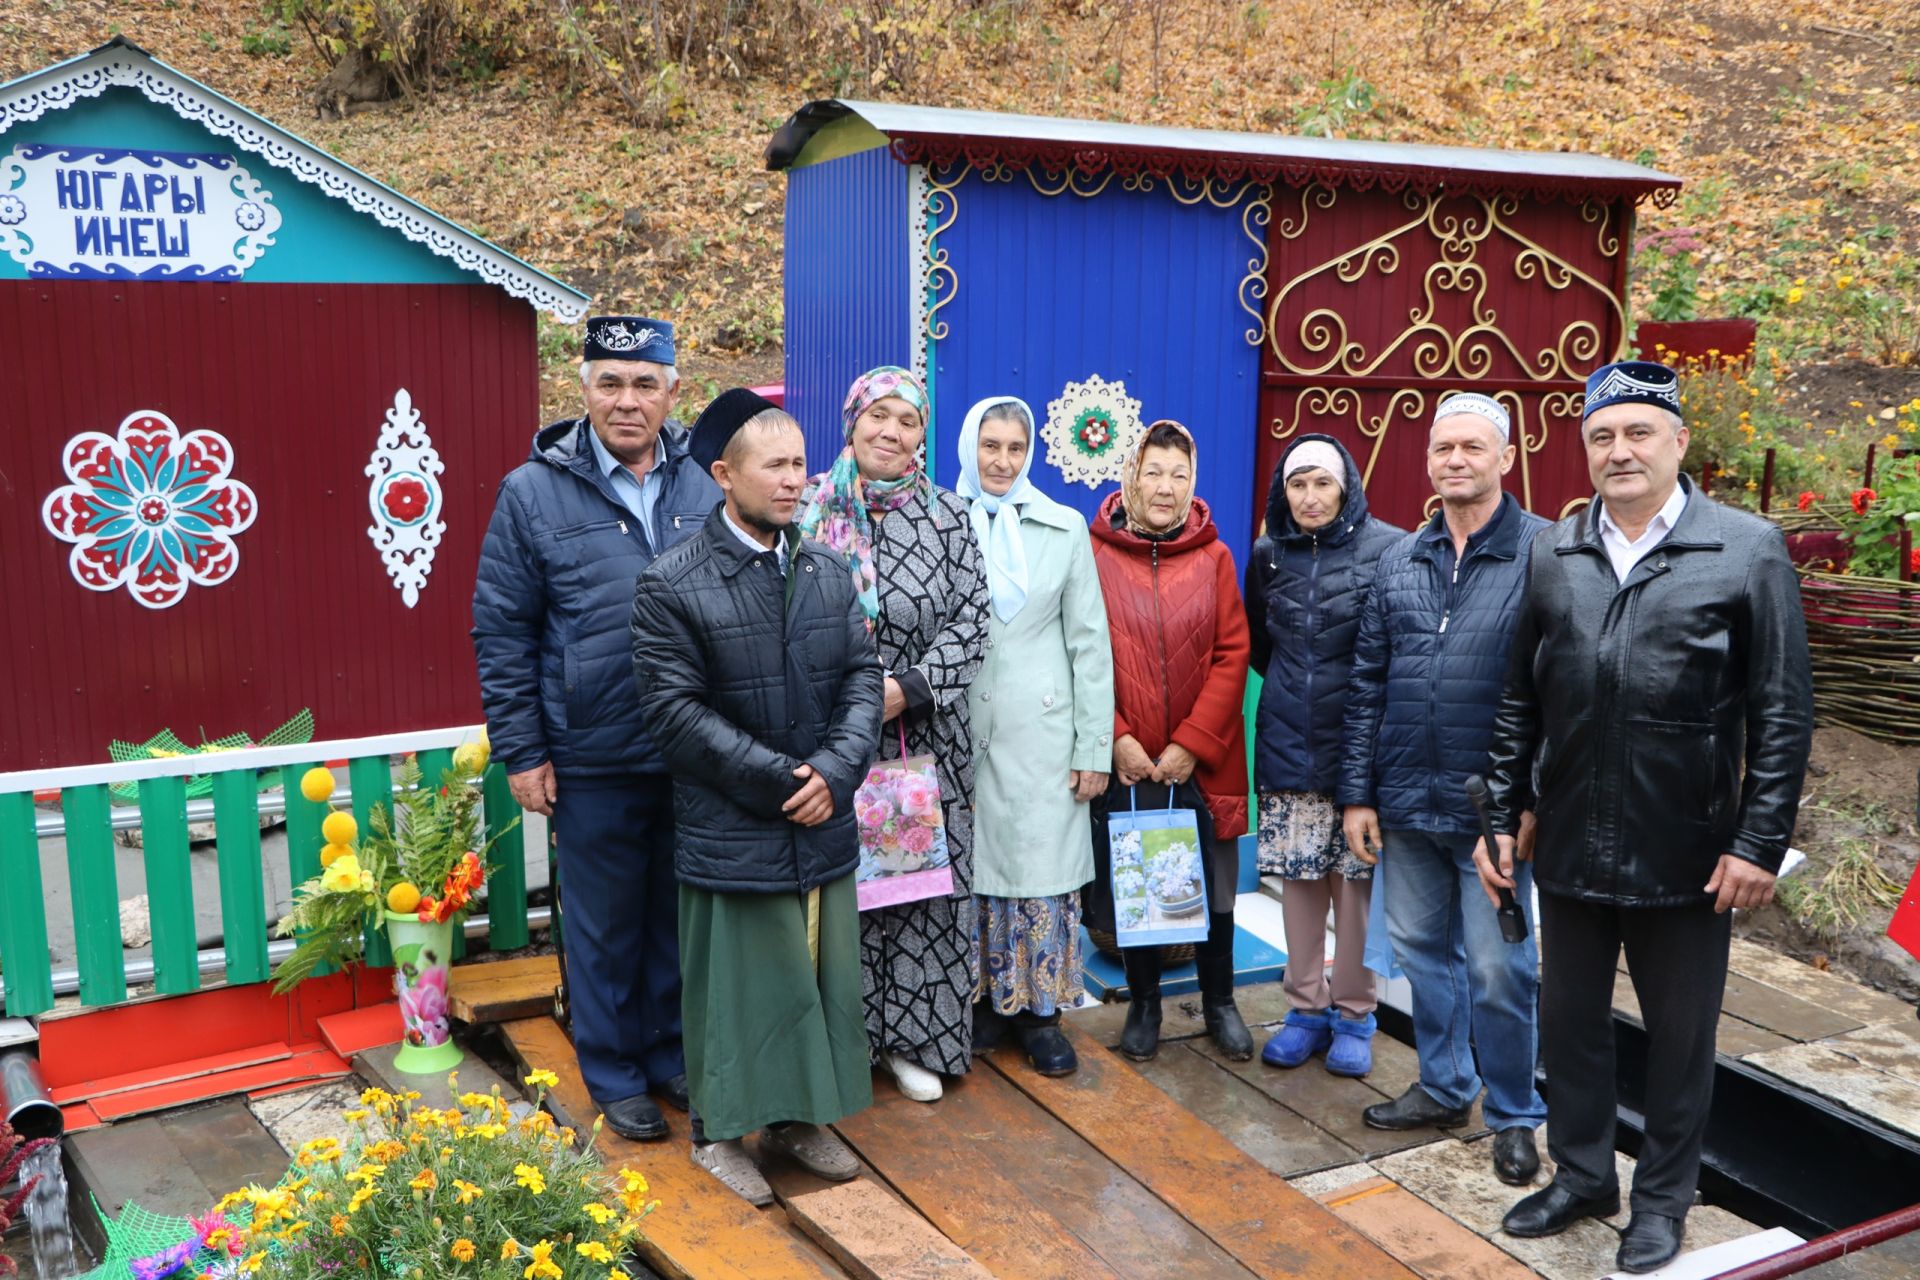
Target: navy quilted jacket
1305 593
1428 669
553 602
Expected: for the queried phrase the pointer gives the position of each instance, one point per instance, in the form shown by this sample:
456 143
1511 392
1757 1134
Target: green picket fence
86 815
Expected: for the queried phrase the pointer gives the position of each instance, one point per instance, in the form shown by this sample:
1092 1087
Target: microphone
1513 925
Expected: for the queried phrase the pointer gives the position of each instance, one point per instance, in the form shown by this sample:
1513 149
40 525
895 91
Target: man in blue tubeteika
599 499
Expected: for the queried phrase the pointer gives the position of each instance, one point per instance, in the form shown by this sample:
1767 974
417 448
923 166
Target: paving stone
1890 1099
301 1115
1319 1184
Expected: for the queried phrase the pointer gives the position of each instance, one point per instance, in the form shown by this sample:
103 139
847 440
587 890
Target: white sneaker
729 1162
915 1081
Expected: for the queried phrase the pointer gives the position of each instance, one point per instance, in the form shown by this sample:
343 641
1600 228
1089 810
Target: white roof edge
892 118
119 64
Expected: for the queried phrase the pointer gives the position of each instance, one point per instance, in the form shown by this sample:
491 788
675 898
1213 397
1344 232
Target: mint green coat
1042 706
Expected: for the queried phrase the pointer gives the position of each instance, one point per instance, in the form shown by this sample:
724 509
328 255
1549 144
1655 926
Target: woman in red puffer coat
1179 674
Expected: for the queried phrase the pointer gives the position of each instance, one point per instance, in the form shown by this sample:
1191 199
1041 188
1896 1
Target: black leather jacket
1656 724
742 680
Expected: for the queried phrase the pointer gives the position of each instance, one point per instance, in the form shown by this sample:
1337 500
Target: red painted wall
298 378
1473 292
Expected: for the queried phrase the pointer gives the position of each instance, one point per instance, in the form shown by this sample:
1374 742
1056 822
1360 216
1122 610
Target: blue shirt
637 496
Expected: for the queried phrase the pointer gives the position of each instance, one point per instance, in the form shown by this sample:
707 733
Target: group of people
692 649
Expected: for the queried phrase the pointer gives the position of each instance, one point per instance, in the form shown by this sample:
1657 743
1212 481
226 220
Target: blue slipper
1300 1037
1352 1051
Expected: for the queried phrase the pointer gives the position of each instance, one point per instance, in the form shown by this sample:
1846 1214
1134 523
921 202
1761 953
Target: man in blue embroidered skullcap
1660 700
600 498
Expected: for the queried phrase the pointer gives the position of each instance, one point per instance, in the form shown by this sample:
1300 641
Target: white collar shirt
1625 553
752 543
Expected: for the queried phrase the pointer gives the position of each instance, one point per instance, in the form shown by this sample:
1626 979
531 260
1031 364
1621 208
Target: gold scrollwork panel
1346 402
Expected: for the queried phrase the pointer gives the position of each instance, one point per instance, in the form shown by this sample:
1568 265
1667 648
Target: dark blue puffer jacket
554 599
1428 670
1305 593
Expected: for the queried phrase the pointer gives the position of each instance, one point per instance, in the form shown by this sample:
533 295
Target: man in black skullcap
1659 698
600 498
760 683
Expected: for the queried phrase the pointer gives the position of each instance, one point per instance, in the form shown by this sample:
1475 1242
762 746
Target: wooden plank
1890 1099
503 990
875 1237
25 964
940 1171
371 778
507 880
92 873
1754 1001
1260 1004
356 1030
146 1077
702 1231
1828 990
1250 1212
1396 1068
311 1064
1892 1047
1427 1241
1732 1037
1332 1103
163 845
243 909
1280 1139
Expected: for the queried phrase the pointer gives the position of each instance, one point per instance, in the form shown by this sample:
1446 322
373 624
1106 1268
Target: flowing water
47 1214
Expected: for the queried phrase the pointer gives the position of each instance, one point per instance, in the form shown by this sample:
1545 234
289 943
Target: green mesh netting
200 786
136 1234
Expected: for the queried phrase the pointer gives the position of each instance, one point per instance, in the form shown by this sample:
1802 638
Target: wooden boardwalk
1188 1166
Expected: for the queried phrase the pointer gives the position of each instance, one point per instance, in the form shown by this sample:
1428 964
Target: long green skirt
768 1037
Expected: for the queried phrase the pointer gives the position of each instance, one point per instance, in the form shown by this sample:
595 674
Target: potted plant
416 875
1665 261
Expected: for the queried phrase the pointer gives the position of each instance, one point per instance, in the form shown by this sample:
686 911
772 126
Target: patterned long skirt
1030 953
919 969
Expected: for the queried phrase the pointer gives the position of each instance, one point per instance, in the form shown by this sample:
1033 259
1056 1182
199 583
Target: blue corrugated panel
1133 286
846 286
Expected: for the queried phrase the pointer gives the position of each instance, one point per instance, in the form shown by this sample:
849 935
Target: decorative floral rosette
1090 430
404 497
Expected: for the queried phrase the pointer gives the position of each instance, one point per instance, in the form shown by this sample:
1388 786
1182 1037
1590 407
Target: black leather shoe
1649 1242
1222 1016
1549 1212
673 1092
1414 1109
636 1118
1049 1050
1515 1158
1140 1039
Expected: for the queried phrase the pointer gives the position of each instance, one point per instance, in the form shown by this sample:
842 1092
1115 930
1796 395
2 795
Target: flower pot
1184 907
1696 338
422 954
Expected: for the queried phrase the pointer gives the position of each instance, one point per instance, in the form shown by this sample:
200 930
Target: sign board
93 213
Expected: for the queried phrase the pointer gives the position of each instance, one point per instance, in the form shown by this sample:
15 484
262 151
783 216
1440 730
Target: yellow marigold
466 1192
599 1212
360 1198
530 1178
367 1174
425 1180
509 1249
462 1250
356 1116
634 1181
594 1251
1841 282
1795 295
1890 440
231 1200
541 1078
542 1266
475 1100
374 1095
488 1131
252 1262
339 1224
386 1151
618 1274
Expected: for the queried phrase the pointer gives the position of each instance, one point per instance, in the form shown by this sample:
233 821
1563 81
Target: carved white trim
405 498
116 65
919 265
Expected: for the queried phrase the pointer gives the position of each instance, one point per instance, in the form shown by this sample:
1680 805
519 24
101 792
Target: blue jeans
1472 989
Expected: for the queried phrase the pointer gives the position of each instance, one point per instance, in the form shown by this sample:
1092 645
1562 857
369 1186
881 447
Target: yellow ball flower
404 898
339 827
471 758
316 784
328 852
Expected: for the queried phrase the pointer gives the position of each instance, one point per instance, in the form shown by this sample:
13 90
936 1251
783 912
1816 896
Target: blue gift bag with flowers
1158 875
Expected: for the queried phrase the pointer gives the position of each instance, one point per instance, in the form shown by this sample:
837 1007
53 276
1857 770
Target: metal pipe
66 982
1827 1248
126 817
23 1094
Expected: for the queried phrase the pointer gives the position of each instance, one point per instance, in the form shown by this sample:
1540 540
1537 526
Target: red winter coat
1179 651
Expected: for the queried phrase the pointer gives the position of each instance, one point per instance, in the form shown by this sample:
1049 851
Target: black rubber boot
1140 1040
1224 1023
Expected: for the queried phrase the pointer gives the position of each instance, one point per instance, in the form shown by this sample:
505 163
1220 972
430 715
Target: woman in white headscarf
1042 712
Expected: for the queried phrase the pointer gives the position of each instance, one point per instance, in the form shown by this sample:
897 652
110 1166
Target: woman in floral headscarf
1179 673
909 546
